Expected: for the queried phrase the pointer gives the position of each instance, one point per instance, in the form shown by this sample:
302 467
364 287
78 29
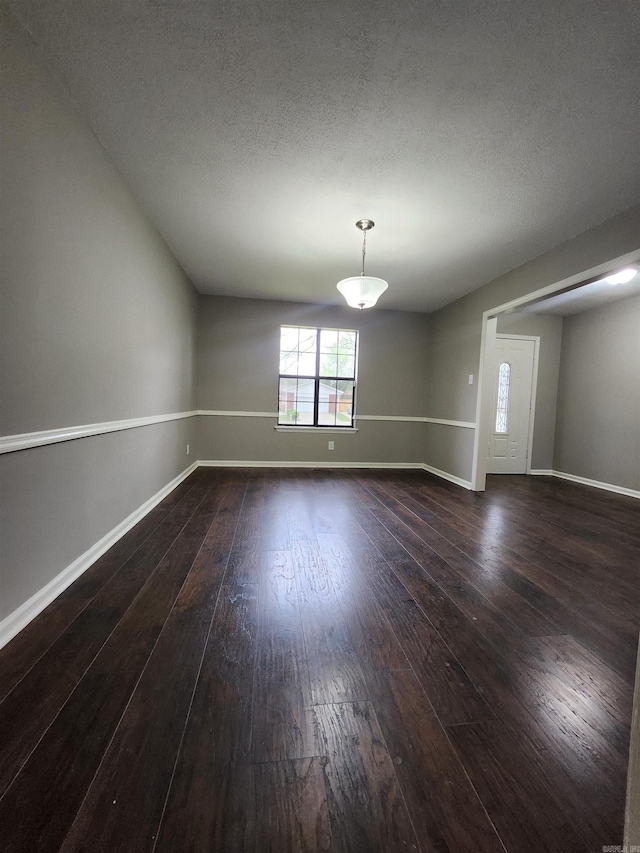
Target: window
317 377
502 410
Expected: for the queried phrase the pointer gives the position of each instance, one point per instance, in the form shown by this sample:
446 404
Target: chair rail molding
25 440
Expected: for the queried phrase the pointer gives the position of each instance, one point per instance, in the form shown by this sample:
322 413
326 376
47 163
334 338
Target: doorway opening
487 432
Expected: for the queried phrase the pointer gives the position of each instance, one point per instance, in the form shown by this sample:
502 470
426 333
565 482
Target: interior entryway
511 404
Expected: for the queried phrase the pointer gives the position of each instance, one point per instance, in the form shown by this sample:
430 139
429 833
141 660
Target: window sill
315 429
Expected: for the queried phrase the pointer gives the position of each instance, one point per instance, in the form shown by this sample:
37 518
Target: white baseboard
585 481
243 463
466 484
541 472
406 466
20 617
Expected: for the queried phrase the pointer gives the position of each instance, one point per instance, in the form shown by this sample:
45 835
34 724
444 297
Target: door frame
534 385
488 333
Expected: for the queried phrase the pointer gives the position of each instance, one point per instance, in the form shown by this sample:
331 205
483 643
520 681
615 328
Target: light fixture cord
364 248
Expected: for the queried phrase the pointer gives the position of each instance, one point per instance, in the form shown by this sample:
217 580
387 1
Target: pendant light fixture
362 291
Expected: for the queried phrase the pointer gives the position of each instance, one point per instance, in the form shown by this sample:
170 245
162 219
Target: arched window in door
502 409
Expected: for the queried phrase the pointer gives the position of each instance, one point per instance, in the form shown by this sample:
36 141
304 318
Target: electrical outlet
471 379
187 449
332 445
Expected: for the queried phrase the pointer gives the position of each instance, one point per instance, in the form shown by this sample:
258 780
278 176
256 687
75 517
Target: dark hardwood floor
302 660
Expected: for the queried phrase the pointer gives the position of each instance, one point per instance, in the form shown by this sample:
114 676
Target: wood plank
282 726
438 554
40 805
29 709
523 810
452 694
376 644
445 809
582 690
124 803
211 766
27 647
366 807
208 801
335 673
605 641
290 808
546 728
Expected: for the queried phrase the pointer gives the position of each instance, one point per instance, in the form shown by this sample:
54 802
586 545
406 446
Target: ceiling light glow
622 277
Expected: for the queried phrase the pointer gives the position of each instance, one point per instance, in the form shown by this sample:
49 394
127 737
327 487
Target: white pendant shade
362 291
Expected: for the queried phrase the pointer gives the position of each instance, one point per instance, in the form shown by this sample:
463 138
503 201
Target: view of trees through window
317 376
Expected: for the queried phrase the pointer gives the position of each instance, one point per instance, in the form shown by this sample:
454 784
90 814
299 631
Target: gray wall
455 330
598 424
548 327
98 324
238 345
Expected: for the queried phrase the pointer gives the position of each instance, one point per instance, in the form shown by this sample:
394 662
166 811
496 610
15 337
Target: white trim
312 429
483 405
16 621
585 481
567 283
25 440
275 463
541 472
229 414
409 466
408 418
446 476
463 424
506 336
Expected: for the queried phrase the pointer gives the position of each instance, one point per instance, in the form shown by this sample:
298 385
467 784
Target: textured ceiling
477 134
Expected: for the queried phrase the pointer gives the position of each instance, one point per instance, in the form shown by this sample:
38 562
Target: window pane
289 338
327 403
329 340
345 387
304 402
337 352
347 342
307 364
328 364
286 401
336 403
289 362
337 364
346 365
297 351
306 390
326 419
308 341
502 410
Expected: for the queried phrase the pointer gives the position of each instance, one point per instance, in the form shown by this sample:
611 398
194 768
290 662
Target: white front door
512 378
